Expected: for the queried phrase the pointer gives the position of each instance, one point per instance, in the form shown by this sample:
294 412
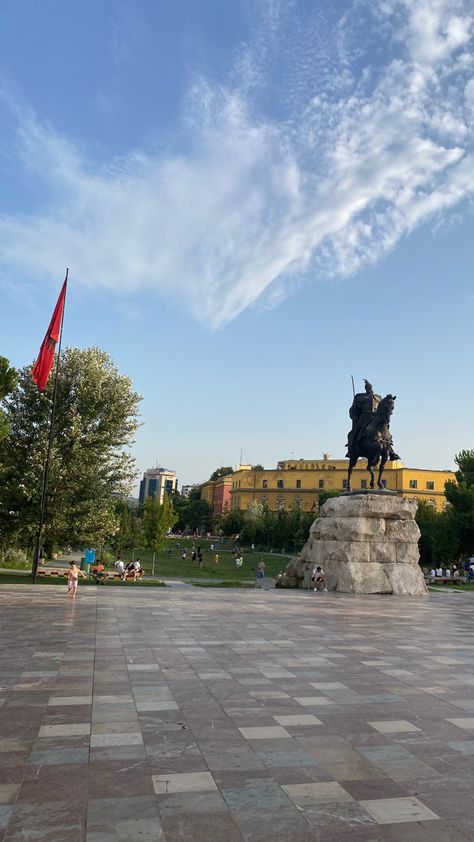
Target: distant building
298 482
218 494
157 482
186 490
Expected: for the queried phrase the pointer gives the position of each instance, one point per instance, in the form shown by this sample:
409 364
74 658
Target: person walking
216 559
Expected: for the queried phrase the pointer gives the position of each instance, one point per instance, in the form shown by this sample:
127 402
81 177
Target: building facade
186 490
300 482
218 494
157 482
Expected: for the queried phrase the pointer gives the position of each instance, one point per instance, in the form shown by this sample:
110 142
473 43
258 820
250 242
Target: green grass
173 566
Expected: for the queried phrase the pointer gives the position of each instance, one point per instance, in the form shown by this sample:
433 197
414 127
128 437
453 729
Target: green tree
427 519
460 497
221 472
8 381
95 421
326 495
158 519
129 532
232 522
258 467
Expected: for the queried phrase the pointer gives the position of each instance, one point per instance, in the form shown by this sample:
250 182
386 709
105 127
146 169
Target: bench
445 580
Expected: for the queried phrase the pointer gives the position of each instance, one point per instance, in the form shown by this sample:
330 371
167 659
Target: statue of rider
362 410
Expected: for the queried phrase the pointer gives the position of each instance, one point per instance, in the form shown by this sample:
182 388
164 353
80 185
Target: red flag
44 363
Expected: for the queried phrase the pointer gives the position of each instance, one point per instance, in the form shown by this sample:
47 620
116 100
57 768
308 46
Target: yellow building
299 482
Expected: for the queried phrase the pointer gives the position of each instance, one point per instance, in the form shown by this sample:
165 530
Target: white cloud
254 200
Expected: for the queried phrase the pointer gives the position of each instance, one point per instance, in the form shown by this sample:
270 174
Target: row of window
413 483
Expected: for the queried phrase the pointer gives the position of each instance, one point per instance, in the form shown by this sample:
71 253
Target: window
344 483
280 503
321 483
265 483
298 502
298 483
264 499
280 483
430 485
413 483
363 483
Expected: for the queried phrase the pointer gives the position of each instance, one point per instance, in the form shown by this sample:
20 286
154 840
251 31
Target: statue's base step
384 491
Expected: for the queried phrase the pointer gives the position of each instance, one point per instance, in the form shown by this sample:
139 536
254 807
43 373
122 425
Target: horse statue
373 441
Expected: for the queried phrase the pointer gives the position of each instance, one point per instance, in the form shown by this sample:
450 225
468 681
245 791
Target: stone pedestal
365 543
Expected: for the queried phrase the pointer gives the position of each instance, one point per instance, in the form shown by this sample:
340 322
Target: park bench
52 571
445 580
63 571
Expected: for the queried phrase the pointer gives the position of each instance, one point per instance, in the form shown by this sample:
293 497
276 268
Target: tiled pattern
255 716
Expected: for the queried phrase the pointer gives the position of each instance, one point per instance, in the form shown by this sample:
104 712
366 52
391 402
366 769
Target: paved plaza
197 714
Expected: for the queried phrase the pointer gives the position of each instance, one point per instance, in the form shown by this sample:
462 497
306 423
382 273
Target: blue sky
256 199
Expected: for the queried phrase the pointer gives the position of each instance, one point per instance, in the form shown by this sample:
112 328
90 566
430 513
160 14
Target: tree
8 381
460 497
157 521
221 472
96 418
129 532
258 467
232 522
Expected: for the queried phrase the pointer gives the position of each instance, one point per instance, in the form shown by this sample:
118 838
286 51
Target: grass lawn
170 564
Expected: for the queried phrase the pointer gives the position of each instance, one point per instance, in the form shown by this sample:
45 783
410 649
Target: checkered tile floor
200 715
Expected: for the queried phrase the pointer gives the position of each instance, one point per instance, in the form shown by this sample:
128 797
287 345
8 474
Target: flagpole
44 486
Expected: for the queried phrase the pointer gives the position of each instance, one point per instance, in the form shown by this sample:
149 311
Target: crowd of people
453 571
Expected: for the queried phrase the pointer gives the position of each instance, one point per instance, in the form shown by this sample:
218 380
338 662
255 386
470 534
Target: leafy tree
258 467
130 529
8 381
232 522
426 518
96 418
326 495
460 496
199 515
158 519
221 472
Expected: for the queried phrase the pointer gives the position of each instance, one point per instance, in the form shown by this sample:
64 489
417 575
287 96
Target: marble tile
308 794
298 719
9 792
467 722
184 782
393 726
265 732
313 701
105 740
74 729
397 810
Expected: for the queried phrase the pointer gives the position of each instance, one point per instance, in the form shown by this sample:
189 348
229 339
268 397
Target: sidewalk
189 715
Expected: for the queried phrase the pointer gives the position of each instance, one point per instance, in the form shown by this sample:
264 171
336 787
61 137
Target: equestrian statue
370 436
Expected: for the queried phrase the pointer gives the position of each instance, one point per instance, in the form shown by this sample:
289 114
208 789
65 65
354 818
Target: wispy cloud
371 139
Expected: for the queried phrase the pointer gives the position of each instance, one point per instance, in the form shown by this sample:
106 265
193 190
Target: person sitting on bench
98 573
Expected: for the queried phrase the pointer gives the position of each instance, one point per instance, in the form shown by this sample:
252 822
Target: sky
256 199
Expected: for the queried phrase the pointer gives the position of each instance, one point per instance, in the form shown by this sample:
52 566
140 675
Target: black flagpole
36 557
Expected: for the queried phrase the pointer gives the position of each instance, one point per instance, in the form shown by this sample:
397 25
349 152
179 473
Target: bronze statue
370 436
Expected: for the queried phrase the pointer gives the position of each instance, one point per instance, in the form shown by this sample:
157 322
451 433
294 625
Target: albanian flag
44 363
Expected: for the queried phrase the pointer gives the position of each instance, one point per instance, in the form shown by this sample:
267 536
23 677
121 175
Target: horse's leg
352 464
383 459
372 459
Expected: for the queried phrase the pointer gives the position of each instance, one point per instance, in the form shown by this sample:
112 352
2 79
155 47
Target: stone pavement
200 715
